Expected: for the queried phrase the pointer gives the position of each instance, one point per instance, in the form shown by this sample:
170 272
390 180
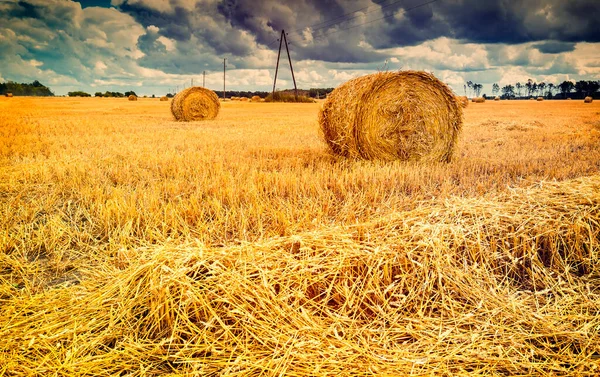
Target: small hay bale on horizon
195 103
478 100
463 101
496 98
9 95
540 99
406 115
132 97
256 99
244 99
588 99
164 98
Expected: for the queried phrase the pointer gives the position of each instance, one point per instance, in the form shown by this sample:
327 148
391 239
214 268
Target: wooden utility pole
291 68
277 65
192 81
204 79
224 59
281 39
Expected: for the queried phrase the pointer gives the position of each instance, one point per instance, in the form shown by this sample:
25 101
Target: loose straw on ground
504 286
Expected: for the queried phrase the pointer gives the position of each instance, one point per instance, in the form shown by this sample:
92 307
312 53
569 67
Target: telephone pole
224 59
281 39
192 81
204 79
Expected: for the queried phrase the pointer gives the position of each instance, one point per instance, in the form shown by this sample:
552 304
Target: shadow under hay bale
406 115
588 100
195 103
132 98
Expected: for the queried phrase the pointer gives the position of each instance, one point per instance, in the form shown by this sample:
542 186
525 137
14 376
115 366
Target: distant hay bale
195 103
532 99
9 95
463 101
256 99
405 115
132 97
569 99
496 98
540 99
164 98
478 100
244 99
588 100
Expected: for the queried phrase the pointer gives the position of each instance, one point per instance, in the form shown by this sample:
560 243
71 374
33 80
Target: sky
153 46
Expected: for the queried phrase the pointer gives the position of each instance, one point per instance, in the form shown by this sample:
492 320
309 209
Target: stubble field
134 244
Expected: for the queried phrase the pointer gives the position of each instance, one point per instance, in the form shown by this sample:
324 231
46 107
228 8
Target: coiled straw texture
406 115
195 103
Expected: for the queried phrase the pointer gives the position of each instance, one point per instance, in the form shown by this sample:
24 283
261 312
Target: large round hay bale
463 101
540 99
478 100
588 100
255 99
9 95
132 97
164 98
405 115
195 103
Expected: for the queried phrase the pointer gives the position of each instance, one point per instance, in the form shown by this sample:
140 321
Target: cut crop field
134 244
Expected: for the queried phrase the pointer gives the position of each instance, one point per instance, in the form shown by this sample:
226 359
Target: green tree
519 87
495 89
541 87
566 87
508 91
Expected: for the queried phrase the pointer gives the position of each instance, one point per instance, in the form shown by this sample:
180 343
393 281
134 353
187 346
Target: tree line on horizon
25 89
567 89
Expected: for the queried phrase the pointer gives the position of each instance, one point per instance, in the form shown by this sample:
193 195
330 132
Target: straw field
133 244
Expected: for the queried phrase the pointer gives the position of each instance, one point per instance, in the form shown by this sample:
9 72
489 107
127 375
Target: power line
351 18
337 18
375 20
364 23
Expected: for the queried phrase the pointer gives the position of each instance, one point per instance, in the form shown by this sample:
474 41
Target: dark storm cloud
477 21
175 25
554 47
337 38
